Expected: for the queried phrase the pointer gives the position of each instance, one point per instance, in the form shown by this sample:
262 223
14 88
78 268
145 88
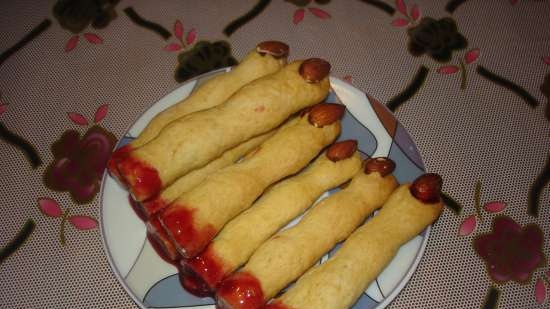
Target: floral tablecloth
470 80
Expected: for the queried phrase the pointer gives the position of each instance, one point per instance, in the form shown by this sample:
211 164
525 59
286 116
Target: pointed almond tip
427 188
341 150
382 165
314 70
325 114
276 49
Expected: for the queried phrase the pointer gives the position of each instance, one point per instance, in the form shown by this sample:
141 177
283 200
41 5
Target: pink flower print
83 222
407 19
511 252
319 13
79 163
71 43
540 291
92 38
100 113
178 34
51 208
470 57
77 119
3 106
299 14
494 207
467 226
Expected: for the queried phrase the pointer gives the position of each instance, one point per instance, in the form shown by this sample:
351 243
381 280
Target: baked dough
278 206
338 283
193 178
194 140
195 217
288 254
151 207
261 61
214 92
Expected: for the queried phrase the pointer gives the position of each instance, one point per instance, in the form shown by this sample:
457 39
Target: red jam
160 242
178 219
118 155
240 291
206 267
143 180
154 205
277 305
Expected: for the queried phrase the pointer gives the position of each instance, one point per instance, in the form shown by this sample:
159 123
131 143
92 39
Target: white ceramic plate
153 283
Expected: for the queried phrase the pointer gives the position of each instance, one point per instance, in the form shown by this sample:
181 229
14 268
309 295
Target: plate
154 283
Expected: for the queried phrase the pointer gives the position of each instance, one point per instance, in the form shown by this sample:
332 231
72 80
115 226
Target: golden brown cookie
197 216
196 139
274 209
338 283
267 58
195 177
288 254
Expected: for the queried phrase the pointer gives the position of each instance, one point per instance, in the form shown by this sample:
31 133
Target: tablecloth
469 80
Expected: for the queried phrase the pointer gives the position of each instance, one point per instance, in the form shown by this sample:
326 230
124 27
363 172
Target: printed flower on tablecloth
51 208
178 33
470 57
407 19
204 57
437 38
79 162
76 15
541 294
510 251
300 13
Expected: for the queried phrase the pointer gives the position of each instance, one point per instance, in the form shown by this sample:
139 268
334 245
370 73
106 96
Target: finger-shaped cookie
288 254
267 58
193 178
195 217
196 139
283 202
338 283
151 207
